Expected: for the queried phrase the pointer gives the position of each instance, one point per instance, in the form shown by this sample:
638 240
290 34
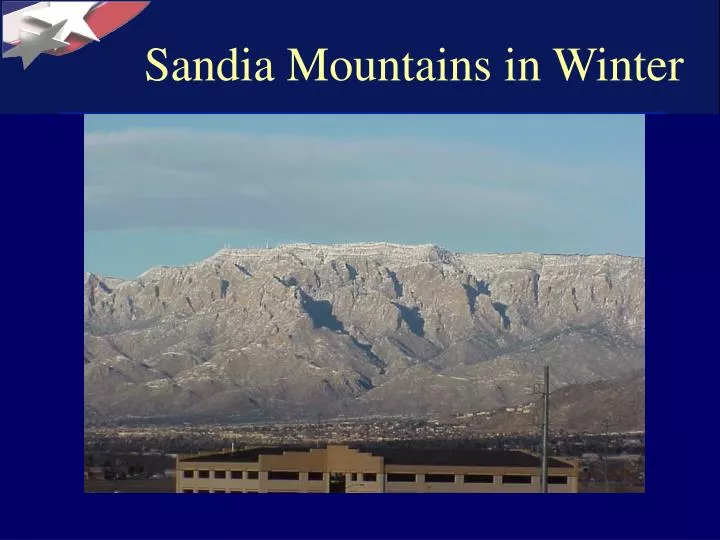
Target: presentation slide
376 248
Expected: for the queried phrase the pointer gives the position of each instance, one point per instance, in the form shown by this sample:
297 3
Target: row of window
272 475
216 491
474 478
312 476
250 475
235 475
290 475
372 477
441 478
363 477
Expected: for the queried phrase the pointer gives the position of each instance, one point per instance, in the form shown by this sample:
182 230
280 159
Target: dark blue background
110 76
42 382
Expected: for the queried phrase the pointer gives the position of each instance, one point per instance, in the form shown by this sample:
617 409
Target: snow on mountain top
321 252
402 255
390 249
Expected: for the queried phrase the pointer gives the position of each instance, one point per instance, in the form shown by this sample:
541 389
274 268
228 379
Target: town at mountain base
309 331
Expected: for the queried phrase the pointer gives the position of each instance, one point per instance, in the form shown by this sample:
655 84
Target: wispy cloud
373 187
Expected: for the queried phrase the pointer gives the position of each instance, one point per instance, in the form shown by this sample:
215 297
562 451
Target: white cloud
373 187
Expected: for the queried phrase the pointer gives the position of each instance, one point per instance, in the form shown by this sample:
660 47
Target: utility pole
545 429
544 391
606 439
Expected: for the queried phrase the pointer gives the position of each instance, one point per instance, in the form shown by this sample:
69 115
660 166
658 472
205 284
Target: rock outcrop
302 331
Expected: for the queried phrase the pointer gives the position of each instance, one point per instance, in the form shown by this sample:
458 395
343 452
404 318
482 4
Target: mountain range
308 331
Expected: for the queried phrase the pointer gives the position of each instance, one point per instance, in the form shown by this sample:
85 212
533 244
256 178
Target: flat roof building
344 469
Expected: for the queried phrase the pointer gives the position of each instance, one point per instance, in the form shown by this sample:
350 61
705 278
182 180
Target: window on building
187 490
203 491
235 491
188 474
478 478
516 479
252 475
400 477
353 477
220 474
440 478
557 479
315 476
236 475
369 477
203 474
283 475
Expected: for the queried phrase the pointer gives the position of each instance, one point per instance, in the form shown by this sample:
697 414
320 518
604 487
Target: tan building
342 469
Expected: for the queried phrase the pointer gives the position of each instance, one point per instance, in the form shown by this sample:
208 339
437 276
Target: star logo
60 28
32 44
71 12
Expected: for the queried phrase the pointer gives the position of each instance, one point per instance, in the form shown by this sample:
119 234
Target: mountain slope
614 405
307 330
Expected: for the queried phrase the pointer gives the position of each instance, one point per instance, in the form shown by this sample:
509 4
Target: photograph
378 303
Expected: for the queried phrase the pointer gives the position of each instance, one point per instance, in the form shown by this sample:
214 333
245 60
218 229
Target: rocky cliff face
308 330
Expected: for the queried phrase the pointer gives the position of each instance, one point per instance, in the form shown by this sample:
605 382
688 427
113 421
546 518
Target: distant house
626 457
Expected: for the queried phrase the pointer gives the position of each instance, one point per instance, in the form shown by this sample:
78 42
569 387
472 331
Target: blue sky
173 189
